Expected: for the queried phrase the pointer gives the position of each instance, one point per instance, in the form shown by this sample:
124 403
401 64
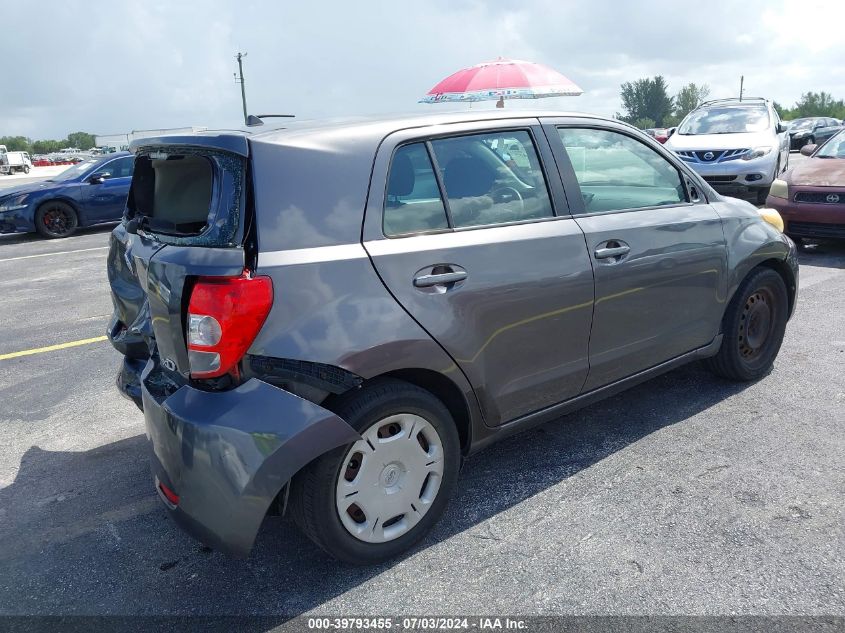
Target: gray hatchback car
327 319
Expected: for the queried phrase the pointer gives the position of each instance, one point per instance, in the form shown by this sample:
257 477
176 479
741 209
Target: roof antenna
254 120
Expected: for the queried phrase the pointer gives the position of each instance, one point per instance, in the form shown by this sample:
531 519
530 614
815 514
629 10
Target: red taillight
171 496
224 316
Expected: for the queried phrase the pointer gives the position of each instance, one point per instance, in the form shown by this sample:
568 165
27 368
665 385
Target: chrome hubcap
389 478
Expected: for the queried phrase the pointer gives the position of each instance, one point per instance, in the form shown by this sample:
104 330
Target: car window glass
492 178
413 203
120 168
616 172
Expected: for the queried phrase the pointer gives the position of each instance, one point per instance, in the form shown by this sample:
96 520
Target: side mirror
781 128
819 126
808 149
99 178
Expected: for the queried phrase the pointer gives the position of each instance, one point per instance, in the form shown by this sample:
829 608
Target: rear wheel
56 219
753 327
370 501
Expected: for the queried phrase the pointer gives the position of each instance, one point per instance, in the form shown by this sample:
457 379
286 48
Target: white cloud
111 66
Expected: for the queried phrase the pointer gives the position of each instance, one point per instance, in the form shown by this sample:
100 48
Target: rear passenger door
475 241
657 249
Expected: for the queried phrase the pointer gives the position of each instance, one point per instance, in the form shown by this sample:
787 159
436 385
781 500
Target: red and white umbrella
502 79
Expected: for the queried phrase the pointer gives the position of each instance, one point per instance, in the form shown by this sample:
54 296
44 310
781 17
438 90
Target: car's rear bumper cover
228 454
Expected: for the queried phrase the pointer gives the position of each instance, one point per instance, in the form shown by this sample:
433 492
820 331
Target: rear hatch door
185 218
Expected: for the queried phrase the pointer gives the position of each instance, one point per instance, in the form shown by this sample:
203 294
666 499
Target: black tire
762 194
26 169
312 502
753 327
56 219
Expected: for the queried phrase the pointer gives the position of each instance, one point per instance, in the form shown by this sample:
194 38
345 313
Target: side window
616 172
492 178
120 168
413 203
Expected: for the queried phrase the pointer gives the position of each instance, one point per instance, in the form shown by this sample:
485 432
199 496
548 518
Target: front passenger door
106 200
657 249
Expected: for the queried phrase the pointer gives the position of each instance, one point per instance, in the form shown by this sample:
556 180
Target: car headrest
468 177
402 177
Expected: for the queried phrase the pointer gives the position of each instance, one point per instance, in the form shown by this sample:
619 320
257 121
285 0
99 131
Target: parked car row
42 160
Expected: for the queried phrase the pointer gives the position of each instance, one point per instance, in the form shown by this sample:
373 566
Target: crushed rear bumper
227 454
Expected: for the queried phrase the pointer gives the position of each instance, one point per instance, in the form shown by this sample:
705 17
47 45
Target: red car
660 134
811 197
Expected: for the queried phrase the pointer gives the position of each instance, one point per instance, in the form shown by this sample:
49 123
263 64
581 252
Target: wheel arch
440 386
785 272
63 199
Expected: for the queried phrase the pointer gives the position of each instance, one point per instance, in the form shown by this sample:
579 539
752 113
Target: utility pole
240 80
741 82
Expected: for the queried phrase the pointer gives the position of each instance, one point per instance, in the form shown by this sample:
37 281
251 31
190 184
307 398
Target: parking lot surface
685 495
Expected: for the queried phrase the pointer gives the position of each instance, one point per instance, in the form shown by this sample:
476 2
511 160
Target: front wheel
26 169
56 219
372 500
752 328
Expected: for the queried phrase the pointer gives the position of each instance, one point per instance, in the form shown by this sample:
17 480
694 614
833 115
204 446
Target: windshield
76 170
725 120
802 124
834 148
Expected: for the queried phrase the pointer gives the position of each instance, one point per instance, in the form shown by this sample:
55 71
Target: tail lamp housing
225 315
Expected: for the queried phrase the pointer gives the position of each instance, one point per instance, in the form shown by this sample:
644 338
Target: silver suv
735 145
328 319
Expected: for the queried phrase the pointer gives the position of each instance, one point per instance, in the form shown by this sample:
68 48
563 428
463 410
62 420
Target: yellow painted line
53 348
81 250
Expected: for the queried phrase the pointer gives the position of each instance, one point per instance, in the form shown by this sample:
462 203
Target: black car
812 130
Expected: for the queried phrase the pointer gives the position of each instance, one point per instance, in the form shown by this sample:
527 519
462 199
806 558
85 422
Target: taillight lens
224 317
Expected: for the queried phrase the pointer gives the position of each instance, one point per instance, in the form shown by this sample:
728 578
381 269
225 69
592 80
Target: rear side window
188 196
492 178
413 203
120 168
616 172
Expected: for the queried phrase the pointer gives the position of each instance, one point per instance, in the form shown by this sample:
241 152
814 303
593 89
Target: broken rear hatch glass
185 218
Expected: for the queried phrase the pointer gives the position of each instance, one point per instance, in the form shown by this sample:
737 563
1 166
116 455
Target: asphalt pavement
685 495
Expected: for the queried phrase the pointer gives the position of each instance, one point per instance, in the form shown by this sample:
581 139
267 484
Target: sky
119 65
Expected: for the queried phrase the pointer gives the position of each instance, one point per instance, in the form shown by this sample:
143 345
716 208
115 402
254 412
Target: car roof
373 129
361 132
405 121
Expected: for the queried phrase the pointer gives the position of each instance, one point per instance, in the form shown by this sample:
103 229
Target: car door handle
439 279
612 251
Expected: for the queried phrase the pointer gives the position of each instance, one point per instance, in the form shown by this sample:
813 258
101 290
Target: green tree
646 98
819 104
644 123
688 99
46 147
81 140
784 113
15 143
